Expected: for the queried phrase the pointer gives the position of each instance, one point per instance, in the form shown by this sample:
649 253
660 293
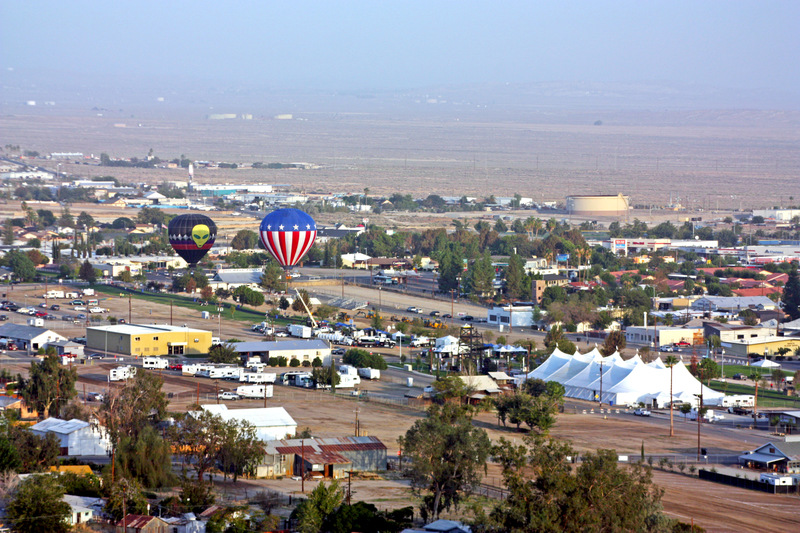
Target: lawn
766 397
242 313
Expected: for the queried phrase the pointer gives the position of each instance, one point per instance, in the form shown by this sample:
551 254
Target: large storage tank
606 204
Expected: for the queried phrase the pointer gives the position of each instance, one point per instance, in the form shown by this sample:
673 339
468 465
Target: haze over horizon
657 54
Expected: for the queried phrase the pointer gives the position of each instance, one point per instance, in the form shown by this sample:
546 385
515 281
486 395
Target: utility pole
699 410
601 384
452 304
129 309
303 466
170 312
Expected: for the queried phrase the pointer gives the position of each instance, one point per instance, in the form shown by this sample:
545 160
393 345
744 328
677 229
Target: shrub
294 363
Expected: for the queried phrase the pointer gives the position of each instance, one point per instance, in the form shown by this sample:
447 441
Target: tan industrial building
608 205
141 340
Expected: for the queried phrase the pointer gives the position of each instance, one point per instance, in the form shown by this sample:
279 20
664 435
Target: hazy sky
405 44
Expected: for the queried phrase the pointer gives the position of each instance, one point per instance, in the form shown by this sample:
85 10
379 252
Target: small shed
77 437
135 523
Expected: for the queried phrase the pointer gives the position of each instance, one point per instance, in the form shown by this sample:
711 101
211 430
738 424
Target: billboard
620 244
562 258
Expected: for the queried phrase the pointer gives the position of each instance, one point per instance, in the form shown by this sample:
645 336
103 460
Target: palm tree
670 362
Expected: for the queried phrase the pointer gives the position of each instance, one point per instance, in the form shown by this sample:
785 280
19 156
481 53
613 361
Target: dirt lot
705 158
716 507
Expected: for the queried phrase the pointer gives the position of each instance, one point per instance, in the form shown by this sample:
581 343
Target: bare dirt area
703 158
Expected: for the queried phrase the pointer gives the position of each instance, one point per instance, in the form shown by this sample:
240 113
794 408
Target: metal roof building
29 336
77 438
271 423
300 349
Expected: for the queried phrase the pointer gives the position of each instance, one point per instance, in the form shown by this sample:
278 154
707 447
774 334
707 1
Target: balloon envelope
191 236
288 234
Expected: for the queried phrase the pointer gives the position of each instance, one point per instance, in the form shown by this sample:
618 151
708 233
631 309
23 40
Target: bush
306 364
282 360
317 362
273 361
294 363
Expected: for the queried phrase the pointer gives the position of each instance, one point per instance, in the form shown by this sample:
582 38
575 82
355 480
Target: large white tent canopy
589 376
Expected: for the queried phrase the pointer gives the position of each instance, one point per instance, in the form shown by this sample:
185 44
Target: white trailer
253 360
155 362
54 294
348 377
122 373
737 400
257 377
88 292
71 295
195 368
369 373
254 391
221 372
296 330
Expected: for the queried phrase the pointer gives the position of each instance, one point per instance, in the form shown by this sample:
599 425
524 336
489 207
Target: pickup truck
228 395
641 412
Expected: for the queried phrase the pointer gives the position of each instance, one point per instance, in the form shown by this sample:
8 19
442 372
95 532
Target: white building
517 316
300 349
231 278
77 438
270 423
29 337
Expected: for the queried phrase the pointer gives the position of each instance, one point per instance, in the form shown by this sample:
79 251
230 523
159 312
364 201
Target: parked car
66 318
414 309
682 343
40 314
55 307
739 376
94 397
434 313
77 302
668 348
96 356
641 412
3 318
338 351
43 305
467 318
81 316
228 395
176 366
447 315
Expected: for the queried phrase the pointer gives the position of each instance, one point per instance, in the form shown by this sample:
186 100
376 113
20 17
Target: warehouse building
29 337
150 340
302 350
324 457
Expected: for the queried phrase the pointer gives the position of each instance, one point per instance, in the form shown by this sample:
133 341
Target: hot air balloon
288 234
192 236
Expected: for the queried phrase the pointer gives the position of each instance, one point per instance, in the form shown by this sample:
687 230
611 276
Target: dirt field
707 159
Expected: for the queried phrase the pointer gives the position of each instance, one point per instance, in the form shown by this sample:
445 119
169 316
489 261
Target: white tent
765 363
584 376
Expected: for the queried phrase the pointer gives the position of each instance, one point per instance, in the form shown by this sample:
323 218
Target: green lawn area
766 397
730 370
243 314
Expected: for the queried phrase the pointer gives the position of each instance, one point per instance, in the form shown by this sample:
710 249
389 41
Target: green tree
125 497
273 277
9 456
35 453
37 506
615 340
8 232
87 272
363 359
21 265
546 494
297 304
515 278
325 376
791 295
241 450
245 239
145 458
223 353
446 454
323 501
480 276
200 438
49 386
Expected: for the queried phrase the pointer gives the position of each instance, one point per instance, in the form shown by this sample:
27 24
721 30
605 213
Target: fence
746 483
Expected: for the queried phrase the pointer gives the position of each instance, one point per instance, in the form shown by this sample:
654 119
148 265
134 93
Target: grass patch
766 397
231 312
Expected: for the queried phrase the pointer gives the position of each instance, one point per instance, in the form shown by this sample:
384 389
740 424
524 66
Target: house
663 335
777 456
134 523
15 402
356 260
327 457
300 349
77 438
270 423
188 523
82 508
29 337
480 387
734 333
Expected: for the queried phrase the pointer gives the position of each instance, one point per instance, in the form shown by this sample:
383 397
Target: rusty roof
325 458
136 521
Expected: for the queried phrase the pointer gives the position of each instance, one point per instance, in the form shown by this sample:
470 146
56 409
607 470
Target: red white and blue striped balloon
288 234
